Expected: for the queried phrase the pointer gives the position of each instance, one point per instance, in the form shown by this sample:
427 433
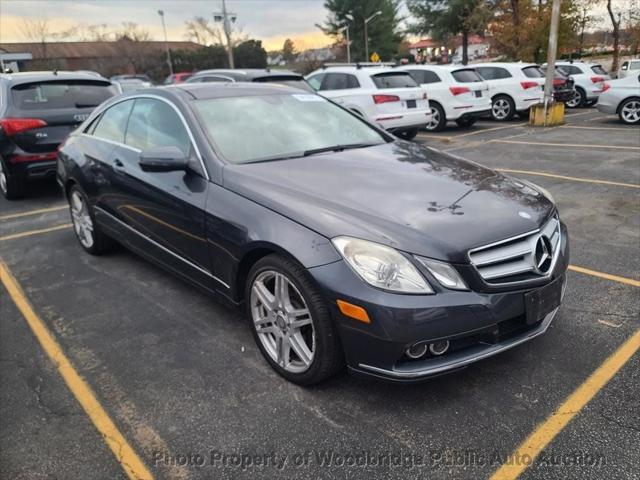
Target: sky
271 21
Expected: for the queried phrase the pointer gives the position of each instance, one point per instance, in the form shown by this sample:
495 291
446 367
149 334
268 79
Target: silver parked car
622 97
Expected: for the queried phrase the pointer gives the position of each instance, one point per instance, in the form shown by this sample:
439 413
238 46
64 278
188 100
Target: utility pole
166 44
551 54
224 17
366 35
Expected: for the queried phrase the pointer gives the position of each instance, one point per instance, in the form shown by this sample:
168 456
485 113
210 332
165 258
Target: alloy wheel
3 180
631 111
82 223
282 321
435 119
501 109
576 100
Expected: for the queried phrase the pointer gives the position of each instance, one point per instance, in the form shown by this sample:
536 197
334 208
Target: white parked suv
514 87
629 68
589 81
382 95
456 93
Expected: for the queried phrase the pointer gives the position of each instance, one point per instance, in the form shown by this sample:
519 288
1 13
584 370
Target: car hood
413 198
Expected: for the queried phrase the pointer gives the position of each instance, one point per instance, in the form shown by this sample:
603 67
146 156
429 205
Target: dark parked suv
37 112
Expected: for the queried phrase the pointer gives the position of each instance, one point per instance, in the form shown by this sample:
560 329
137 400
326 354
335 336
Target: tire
87 231
438 118
629 111
407 134
272 322
578 100
11 187
466 122
502 108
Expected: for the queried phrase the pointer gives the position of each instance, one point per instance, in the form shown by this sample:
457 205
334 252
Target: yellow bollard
555 115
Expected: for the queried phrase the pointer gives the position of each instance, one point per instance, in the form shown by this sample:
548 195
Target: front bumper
478 324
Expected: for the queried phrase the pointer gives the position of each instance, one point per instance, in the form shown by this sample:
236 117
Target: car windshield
270 127
599 70
394 80
532 72
62 94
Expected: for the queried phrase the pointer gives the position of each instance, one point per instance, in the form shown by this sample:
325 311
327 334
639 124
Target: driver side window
154 123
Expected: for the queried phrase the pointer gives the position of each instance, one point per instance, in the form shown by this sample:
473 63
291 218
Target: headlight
381 266
444 273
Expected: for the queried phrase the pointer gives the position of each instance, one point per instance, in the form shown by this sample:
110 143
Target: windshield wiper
337 148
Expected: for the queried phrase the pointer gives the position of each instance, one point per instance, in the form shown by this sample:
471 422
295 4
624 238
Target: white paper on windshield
304 97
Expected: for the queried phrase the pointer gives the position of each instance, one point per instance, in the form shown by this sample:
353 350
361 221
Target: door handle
118 165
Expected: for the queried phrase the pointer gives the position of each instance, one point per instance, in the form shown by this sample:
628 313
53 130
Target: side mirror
163 159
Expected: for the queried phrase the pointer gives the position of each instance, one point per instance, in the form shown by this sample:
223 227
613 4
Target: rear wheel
438 118
630 111
579 98
88 233
10 186
502 108
290 321
407 134
466 122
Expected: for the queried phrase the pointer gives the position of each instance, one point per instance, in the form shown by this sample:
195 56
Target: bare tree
202 31
37 31
616 35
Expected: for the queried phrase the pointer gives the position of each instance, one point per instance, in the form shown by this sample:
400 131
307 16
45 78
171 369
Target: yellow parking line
33 212
564 177
574 145
545 432
35 232
493 129
597 128
125 455
606 276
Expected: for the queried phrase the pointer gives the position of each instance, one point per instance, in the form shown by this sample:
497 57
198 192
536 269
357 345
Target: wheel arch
619 107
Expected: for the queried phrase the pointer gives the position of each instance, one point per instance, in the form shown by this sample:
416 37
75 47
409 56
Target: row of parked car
38 110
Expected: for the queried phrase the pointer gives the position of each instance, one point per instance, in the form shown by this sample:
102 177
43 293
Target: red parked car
177 78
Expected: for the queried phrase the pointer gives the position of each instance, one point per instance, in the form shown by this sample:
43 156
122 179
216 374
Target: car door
162 211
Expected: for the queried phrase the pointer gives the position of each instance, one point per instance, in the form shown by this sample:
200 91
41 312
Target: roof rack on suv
359 64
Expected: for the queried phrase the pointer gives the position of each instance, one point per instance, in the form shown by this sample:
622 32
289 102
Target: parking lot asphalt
182 380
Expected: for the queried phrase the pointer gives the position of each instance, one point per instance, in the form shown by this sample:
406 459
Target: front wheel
502 108
630 111
88 233
407 134
10 186
291 322
466 122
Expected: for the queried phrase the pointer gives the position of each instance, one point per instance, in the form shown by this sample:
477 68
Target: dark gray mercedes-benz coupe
344 244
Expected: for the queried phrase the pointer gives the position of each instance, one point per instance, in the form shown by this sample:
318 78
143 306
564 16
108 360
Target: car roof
354 69
505 64
586 64
203 91
29 77
248 73
440 68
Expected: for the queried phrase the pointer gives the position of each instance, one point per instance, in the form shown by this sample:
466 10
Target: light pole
166 44
224 18
366 36
346 29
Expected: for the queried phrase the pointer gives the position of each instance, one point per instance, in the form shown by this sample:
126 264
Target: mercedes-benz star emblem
543 255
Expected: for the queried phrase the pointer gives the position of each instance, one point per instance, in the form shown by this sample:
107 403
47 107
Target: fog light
416 351
439 348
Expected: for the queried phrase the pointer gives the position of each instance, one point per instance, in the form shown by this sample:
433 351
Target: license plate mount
539 303
411 104
478 93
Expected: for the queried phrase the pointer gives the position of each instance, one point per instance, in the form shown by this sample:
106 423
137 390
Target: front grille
526 257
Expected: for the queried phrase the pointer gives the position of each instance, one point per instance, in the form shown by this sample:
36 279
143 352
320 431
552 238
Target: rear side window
493 73
154 123
339 81
466 76
599 70
71 94
571 69
113 122
533 72
425 76
394 80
